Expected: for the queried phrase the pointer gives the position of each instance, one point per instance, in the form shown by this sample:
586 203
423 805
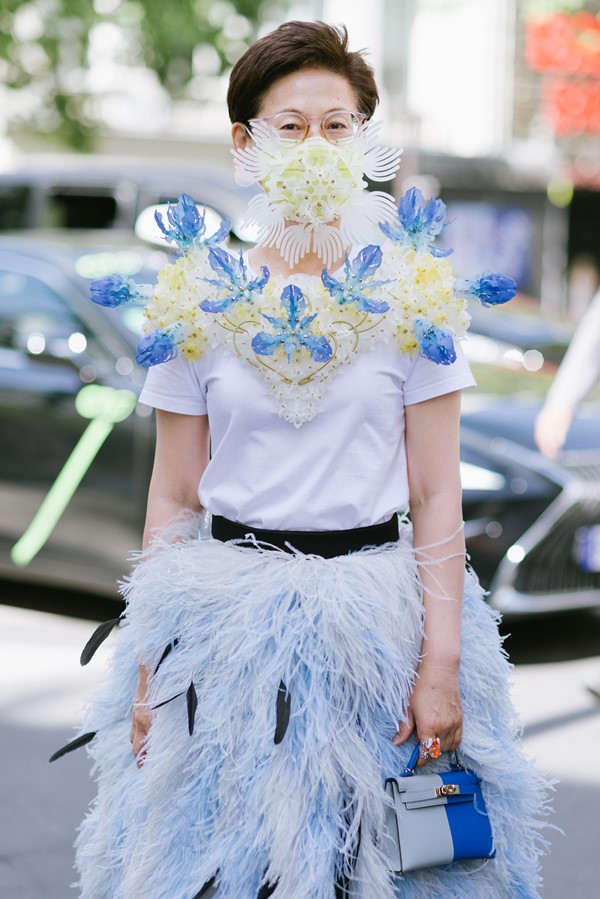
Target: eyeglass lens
335 126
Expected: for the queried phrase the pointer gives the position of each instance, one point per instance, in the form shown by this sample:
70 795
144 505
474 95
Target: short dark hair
292 47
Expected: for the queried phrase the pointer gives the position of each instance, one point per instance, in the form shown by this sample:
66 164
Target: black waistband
319 543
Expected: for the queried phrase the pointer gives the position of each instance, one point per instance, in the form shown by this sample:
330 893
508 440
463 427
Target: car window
14 202
35 321
79 208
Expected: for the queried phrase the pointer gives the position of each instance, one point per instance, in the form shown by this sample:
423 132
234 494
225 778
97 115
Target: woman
292 645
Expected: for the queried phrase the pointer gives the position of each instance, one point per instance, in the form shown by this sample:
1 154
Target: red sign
564 42
572 106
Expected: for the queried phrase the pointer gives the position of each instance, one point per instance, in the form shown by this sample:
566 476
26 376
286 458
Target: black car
54 343
532 526
82 193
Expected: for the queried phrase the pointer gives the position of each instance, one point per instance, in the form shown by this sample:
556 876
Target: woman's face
312 92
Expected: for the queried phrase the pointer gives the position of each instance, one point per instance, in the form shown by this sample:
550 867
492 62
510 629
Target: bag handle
416 754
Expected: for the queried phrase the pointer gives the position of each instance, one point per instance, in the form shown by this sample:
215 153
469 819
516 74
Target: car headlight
473 477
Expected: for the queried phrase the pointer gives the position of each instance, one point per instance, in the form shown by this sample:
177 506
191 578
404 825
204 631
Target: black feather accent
74 744
166 701
166 652
97 638
192 705
282 711
206 889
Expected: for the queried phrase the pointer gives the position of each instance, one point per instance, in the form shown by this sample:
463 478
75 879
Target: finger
454 733
450 738
140 756
405 729
455 738
138 746
422 761
427 754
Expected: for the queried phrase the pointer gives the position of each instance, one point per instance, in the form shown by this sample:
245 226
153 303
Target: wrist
450 661
142 683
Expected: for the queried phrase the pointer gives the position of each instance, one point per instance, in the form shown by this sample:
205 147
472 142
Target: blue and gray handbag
435 819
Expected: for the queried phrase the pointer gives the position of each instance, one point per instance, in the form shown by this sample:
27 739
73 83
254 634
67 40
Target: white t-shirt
346 468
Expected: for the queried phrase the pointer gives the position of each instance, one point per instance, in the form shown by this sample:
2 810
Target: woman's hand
434 708
141 718
551 430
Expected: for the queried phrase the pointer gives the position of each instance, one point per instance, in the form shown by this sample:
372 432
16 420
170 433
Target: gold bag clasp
447 790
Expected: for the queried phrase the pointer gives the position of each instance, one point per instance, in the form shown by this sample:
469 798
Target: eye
289 125
340 124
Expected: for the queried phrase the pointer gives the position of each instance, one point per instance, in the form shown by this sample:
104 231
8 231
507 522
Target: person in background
576 377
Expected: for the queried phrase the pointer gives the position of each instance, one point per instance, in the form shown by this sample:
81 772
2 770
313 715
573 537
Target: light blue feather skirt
251 796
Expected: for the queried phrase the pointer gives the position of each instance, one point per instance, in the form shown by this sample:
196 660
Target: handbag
435 819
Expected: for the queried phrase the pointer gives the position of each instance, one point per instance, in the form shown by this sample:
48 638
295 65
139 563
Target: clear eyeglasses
337 126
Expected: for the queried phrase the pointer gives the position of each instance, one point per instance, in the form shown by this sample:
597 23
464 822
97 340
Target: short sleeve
426 379
175 386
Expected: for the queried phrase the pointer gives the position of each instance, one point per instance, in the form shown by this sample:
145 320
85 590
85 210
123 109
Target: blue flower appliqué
435 344
188 225
115 290
490 288
292 333
419 223
234 279
355 289
158 347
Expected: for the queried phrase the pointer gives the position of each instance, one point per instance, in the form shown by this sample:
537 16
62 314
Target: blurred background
111 109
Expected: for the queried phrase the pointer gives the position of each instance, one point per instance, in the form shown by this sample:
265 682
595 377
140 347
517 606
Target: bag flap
454 785
411 801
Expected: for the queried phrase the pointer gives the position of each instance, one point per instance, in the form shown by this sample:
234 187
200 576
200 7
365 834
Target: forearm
163 509
578 373
142 684
435 499
160 512
437 528
182 453
580 368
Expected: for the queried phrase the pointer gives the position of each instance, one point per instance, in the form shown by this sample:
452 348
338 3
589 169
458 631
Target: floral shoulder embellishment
296 332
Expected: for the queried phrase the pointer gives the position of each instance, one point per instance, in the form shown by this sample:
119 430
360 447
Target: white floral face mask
315 184
313 192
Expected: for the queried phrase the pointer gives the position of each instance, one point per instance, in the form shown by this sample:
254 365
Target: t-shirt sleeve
426 379
175 386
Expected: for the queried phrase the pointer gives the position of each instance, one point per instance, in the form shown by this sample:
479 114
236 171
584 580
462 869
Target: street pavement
42 690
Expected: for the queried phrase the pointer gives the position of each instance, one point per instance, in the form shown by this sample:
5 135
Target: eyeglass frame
360 116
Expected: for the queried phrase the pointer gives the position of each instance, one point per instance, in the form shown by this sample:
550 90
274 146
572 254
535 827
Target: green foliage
45 45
